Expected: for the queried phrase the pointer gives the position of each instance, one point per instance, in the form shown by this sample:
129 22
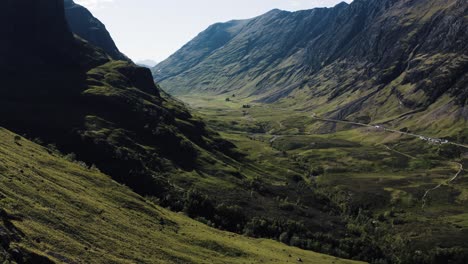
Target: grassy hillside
393 190
69 213
341 194
110 114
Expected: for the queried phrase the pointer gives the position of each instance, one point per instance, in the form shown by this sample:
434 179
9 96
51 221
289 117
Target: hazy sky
154 29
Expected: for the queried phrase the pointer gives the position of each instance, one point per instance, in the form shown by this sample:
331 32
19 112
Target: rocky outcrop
29 26
85 25
109 112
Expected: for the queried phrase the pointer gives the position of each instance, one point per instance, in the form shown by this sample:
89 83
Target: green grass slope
69 213
111 114
378 178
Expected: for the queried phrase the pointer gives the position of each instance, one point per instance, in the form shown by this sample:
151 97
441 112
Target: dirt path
401 153
422 137
426 194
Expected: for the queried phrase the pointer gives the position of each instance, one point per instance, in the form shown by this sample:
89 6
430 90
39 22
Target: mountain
85 25
108 112
194 52
147 63
108 115
409 58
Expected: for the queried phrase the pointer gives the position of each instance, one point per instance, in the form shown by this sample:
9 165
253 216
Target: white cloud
93 4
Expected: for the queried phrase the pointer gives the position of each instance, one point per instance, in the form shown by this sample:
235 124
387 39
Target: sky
154 29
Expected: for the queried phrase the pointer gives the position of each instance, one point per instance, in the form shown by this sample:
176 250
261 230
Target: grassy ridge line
73 214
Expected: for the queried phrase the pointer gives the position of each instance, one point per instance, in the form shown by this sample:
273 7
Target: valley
409 186
330 135
364 102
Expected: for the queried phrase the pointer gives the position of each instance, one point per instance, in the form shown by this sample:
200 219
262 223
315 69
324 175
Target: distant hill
147 63
378 60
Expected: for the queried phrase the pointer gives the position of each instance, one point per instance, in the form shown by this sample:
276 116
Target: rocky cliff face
400 54
195 52
23 27
85 25
110 113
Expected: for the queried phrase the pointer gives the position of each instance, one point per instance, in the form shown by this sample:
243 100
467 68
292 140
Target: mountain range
100 164
400 62
66 86
147 63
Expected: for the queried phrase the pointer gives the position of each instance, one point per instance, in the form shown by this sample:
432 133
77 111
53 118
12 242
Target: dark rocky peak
30 26
41 20
341 5
84 24
274 12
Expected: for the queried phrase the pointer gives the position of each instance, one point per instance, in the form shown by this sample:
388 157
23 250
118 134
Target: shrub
284 238
229 217
286 206
295 242
198 204
70 157
255 184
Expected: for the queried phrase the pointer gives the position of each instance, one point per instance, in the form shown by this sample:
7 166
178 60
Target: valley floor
414 188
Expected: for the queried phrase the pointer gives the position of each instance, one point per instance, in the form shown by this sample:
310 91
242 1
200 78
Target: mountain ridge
109 114
84 24
340 61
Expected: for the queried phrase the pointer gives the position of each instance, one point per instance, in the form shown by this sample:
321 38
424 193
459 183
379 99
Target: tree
198 204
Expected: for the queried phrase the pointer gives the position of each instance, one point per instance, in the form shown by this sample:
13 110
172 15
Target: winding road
424 199
428 139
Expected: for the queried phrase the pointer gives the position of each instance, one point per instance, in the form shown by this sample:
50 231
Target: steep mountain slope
238 53
404 56
109 113
196 51
85 25
54 210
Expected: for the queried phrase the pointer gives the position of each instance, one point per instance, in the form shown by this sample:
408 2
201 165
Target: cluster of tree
199 206
232 218
364 237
